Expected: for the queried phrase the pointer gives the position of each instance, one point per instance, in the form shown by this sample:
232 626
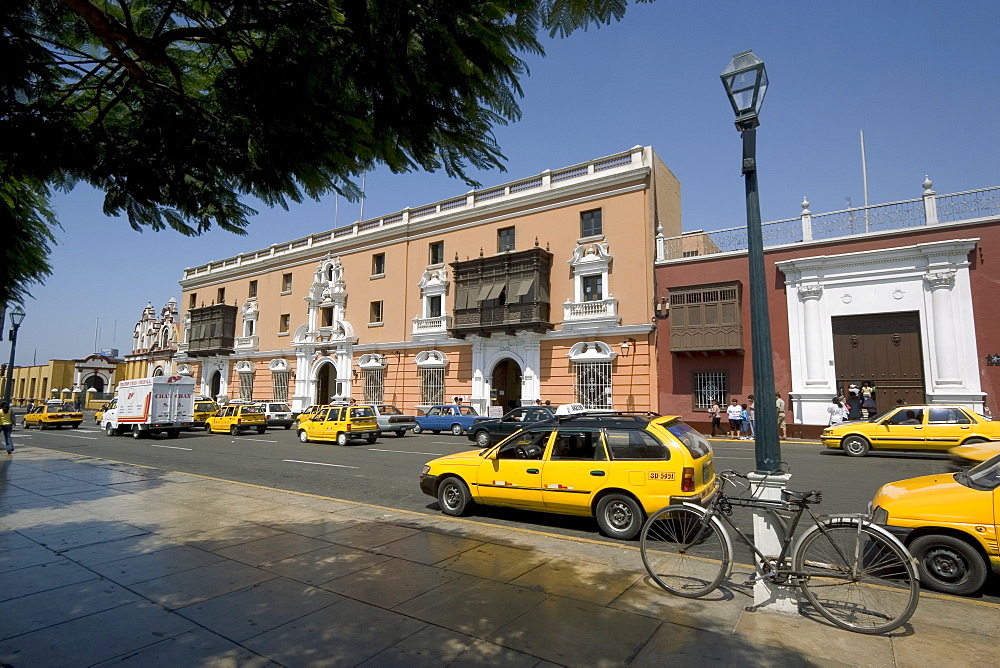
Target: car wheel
619 516
483 438
435 431
973 440
949 564
233 430
418 429
454 497
173 433
456 429
76 426
261 430
401 433
303 436
24 423
288 426
342 439
855 446
110 431
41 426
371 439
136 432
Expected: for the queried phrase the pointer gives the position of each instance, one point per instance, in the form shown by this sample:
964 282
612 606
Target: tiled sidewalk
104 563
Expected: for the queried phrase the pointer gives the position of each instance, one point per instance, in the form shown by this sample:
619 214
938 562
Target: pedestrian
76 405
6 424
30 407
868 403
716 414
735 413
752 417
779 404
836 411
853 402
744 423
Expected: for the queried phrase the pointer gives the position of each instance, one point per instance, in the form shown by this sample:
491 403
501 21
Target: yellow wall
36 382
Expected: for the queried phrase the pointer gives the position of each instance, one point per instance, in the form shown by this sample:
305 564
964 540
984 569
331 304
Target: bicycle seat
812 496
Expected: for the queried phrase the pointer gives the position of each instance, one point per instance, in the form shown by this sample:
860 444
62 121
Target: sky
911 74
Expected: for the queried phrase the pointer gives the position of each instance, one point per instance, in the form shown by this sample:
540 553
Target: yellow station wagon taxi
53 415
949 524
340 424
618 467
235 418
931 428
203 409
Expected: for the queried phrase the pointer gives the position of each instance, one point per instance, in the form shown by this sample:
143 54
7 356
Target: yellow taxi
100 413
618 467
949 524
937 427
203 409
340 424
308 413
235 418
53 415
971 454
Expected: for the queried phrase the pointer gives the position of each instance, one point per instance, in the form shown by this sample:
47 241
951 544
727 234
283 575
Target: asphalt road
386 473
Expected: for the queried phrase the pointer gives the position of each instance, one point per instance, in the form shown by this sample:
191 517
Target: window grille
593 384
709 387
279 382
374 385
432 386
246 385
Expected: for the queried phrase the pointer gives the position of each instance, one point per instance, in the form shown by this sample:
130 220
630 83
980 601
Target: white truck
151 406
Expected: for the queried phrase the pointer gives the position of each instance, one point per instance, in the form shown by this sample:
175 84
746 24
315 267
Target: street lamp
746 82
16 318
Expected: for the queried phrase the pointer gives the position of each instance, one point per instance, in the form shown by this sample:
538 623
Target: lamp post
16 318
746 82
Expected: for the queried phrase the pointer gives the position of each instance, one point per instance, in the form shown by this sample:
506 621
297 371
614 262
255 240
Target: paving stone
427 547
482 653
12 540
390 583
344 634
367 535
55 606
718 612
679 645
43 577
274 548
221 537
429 647
118 549
155 564
584 581
315 527
26 557
200 584
194 648
325 564
495 562
249 612
122 629
98 532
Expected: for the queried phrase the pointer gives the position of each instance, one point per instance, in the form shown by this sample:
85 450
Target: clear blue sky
917 76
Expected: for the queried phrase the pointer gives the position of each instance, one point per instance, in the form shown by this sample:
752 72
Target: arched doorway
95 382
327 386
158 371
215 386
505 385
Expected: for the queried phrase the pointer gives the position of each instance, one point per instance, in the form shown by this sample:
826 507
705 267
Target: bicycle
853 572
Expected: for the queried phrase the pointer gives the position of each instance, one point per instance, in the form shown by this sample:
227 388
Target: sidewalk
103 563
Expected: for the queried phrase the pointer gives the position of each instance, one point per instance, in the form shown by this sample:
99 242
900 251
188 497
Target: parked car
203 409
277 414
391 419
235 418
487 431
340 424
949 523
53 415
308 413
615 467
930 428
454 417
966 456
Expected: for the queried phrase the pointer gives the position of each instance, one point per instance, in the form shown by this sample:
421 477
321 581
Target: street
385 473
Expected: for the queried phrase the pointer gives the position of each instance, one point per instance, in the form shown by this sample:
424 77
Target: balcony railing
532 316
596 310
437 325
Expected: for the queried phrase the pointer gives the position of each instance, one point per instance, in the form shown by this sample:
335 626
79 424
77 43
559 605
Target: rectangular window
284 322
436 253
279 385
592 288
635 444
690 253
593 384
193 301
253 290
378 264
505 239
590 223
326 317
432 386
220 297
434 306
286 283
246 386
376 312
710 387
374 385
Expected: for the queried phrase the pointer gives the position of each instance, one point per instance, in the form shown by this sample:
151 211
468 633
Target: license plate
706 472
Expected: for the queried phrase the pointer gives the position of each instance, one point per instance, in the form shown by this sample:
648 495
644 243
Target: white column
812 333
767 537
940 282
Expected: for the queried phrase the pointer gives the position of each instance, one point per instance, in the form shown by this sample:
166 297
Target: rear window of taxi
635 444
205 406
251 409
690 438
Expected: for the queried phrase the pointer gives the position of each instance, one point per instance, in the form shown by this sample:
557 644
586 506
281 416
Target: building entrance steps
151 567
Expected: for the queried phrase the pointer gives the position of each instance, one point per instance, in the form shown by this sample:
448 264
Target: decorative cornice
940 278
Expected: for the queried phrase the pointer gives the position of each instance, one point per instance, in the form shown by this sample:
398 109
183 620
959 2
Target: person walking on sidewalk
6 424
716 414
735 413
779 404
744 423
752 417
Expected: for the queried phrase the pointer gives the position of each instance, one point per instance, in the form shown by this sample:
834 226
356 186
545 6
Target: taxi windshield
986 476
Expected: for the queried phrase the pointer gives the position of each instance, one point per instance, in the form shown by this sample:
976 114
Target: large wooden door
884 350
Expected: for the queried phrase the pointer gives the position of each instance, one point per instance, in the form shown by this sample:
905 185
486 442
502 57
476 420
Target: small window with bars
432 386
710 387
246 385
374 385
593 384
279 386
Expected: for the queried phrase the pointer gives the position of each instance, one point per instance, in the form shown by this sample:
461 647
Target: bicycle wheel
857 577
684 550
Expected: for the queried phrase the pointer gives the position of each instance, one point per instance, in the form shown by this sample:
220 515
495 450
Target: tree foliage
177 108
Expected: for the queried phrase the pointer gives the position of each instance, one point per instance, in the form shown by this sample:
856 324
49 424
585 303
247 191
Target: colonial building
154 343
537 289
902 296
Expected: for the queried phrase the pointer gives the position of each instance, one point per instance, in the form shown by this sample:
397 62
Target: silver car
277 414
391 419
